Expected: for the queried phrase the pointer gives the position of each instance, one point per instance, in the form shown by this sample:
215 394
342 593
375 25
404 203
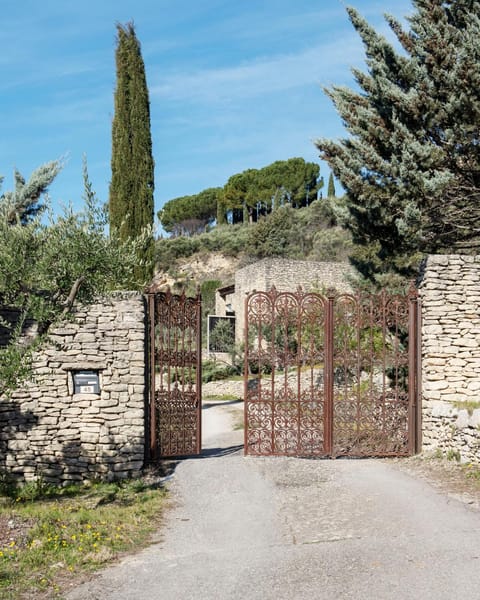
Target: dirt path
219 420
287 528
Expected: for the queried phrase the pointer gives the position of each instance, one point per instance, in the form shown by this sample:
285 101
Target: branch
67 306
73 294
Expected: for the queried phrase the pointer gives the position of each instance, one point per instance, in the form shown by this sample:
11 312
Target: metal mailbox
86 382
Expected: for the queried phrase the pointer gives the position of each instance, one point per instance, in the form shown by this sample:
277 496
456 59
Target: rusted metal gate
331 375
175 375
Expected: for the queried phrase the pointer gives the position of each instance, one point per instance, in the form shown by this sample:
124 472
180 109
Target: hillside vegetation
310 233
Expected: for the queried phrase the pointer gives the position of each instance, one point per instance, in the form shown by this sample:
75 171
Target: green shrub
214 371
167 251
453 455
274 235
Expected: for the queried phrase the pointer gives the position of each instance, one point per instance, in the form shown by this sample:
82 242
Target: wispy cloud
82 110
233 85
289 24
315 65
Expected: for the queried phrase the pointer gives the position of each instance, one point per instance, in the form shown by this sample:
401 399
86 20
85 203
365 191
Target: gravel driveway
278 528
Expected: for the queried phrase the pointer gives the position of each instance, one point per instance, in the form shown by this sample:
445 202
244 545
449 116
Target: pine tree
131 189
410 166
256 192
331 187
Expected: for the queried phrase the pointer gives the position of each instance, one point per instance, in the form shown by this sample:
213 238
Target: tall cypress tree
131 203
411 163
331 187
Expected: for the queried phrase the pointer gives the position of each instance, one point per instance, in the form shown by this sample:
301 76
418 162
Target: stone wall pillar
450 295
51 429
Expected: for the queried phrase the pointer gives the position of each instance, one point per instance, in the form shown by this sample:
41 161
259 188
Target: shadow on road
166 467
221 403
218 452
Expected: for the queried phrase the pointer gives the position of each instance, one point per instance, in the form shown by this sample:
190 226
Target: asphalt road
288 528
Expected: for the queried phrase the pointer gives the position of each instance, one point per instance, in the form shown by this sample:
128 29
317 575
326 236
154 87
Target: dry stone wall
288 274
51 428
450 294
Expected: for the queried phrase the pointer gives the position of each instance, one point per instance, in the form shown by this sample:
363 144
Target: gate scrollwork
175 375
332 374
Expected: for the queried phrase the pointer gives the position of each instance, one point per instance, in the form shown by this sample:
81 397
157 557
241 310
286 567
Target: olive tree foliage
411 162
311 233
275 234
46 264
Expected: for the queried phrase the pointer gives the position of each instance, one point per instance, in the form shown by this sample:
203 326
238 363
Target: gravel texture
14 530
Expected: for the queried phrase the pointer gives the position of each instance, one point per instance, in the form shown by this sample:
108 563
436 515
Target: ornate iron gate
175 375
331 375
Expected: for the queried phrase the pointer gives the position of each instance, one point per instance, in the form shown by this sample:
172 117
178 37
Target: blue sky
233 84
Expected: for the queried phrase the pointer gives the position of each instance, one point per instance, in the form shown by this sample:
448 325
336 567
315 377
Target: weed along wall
82 416
450 293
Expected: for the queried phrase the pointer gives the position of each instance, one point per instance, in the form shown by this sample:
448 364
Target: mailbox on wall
86 382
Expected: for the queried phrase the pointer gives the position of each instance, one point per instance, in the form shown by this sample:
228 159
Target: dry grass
53 537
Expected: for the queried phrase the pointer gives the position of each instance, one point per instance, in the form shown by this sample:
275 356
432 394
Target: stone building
285 275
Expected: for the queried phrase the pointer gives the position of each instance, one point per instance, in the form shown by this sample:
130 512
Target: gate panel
175 375
284 406
333 374
370 392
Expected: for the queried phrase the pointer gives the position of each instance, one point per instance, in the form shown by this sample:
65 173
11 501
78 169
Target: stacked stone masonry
48 430
450 294
288 274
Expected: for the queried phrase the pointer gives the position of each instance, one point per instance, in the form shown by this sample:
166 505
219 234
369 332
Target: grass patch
467 405
472 472
221 398
453 455
48 535
216 371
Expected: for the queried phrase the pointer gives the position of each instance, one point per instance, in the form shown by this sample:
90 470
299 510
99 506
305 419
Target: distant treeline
245 197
